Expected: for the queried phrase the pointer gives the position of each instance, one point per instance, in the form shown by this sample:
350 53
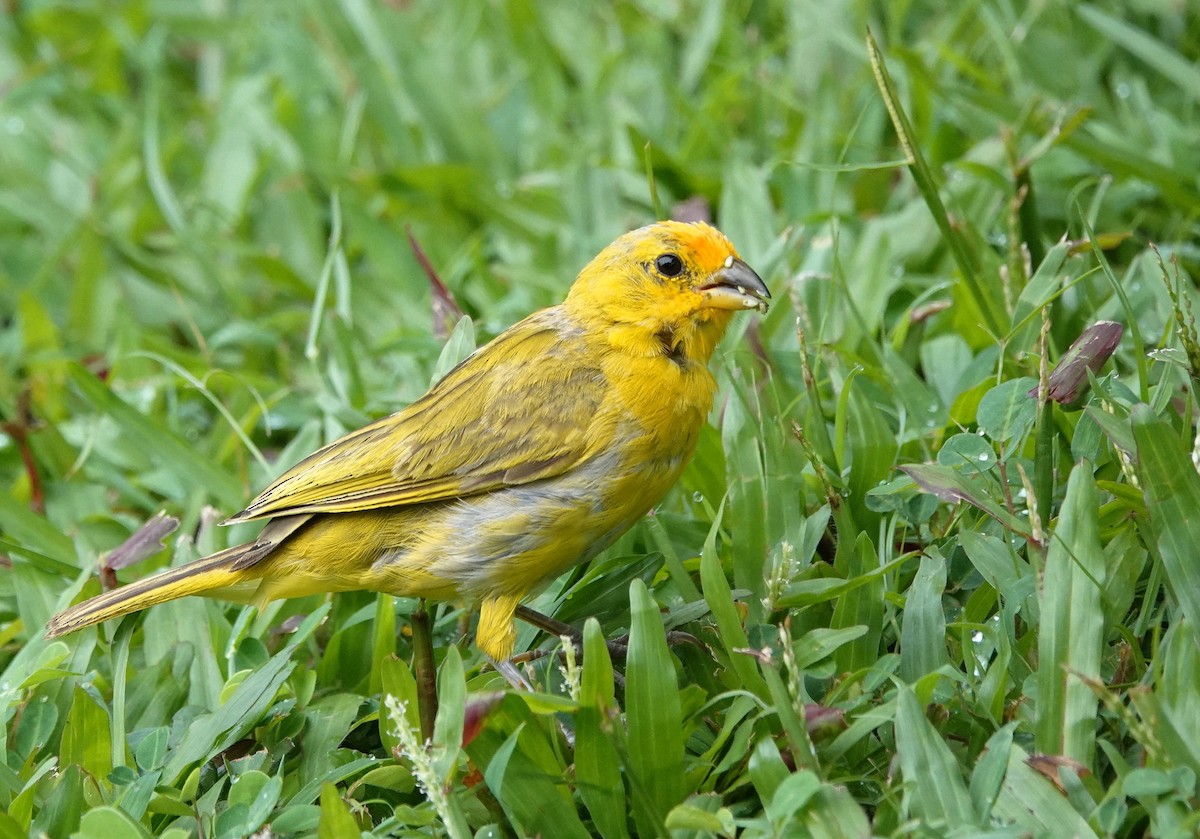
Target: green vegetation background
205 274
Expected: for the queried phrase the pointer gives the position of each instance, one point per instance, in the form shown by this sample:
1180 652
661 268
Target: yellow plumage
532 455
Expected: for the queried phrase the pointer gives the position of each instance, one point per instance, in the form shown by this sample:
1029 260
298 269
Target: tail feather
202 576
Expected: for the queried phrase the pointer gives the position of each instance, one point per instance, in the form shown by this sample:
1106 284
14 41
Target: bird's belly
511 541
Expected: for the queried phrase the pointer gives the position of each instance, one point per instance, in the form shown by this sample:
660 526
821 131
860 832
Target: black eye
669 265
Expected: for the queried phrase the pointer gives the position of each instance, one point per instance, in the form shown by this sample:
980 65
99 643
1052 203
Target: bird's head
668 288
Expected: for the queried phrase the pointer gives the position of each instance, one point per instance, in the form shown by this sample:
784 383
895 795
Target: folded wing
520 409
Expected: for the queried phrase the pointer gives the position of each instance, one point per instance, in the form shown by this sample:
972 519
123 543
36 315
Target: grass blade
1029 800
720 600
159 443
1172 490
923 634
933 776
653 713
928 188
221 728
597 763
1146 47
1071 636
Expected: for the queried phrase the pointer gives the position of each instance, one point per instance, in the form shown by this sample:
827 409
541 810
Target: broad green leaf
1165 741
327 722
398 681
969 452
1117 429
546 703
37 540
1180 700
863 609
107 822
9 828
33 730
827 589
767 769
458 346
1030 801
720 600
61 812
834 814
159 443
1071 633
224 726
336 821
597 764
999 564
652 714
790 797
452 703
990 770
923 633
85 738
384 640
1172 489
745 500
518 774
1044 284
259 793
820 643
871 445
1007 412
932 776
791 718
152 750
688 816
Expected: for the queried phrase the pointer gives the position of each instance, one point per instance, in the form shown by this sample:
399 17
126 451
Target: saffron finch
532 455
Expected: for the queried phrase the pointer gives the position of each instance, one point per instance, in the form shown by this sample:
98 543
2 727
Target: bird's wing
520 409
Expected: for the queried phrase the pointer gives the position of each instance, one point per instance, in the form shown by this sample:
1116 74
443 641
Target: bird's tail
224 570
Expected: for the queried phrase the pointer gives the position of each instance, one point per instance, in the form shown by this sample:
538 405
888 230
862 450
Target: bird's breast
665 398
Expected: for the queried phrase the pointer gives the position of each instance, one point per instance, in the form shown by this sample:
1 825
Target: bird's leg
511 674
616 647
549 625
423 670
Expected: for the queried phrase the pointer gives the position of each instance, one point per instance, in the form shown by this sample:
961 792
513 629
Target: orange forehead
708 246
699 243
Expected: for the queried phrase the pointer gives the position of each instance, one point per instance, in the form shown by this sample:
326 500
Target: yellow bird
532 455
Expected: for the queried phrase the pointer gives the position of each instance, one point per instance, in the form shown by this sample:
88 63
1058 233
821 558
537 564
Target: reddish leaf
1089 352
476 714
145 543
446 312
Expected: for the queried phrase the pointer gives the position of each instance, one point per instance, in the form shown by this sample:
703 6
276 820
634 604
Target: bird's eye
669 265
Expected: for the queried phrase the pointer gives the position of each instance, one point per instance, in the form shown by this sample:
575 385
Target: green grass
932 605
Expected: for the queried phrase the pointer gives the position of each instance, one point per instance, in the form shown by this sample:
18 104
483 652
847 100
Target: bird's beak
735 286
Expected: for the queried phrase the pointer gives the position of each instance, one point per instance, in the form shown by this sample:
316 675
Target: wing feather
520 409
